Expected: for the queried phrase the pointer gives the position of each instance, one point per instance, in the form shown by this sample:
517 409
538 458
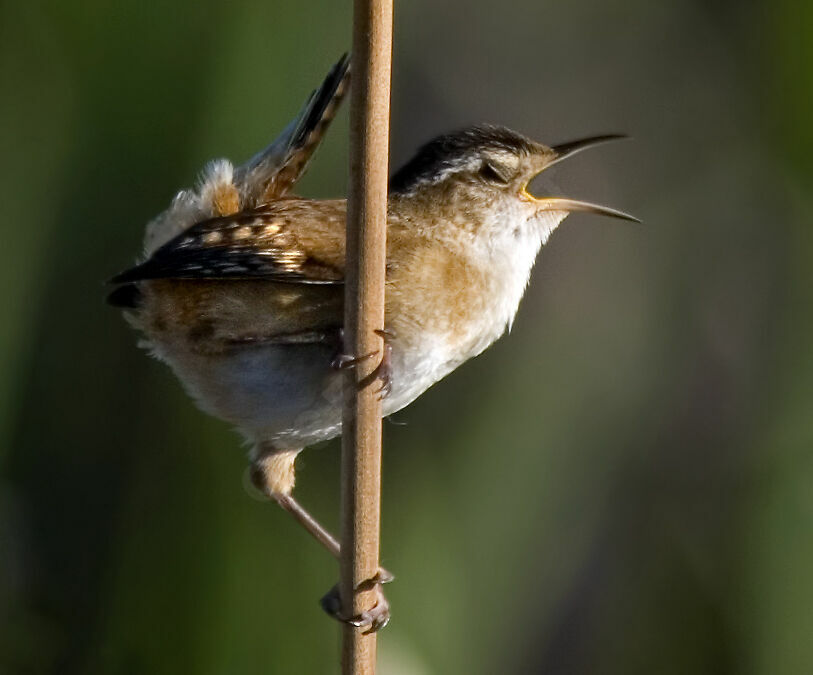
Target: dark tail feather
276 169
319 112
323 103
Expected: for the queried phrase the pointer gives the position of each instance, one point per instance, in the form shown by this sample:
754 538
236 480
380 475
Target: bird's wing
295 241
272 173
210 315
270 275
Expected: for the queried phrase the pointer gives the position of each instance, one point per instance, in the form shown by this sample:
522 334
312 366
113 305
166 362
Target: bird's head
481 175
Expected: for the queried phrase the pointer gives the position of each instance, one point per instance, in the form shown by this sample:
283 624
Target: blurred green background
622 485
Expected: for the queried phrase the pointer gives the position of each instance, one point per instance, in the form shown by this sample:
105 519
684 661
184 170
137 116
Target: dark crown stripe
449 150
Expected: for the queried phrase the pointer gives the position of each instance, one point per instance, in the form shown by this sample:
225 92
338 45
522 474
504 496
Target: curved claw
385 389
383 576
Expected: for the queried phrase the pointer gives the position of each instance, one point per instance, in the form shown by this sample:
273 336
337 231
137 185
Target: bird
240 285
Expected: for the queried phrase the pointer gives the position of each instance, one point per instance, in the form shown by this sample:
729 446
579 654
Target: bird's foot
343 360
371 620
382 372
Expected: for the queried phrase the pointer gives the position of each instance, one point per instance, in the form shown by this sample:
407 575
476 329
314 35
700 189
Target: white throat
514 253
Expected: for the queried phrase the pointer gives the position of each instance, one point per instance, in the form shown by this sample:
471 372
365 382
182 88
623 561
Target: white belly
289 395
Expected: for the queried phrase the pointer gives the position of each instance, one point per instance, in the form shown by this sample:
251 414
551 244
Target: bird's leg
313 526
373 619
272 472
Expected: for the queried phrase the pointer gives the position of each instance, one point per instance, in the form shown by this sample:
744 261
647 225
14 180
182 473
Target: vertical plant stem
364 313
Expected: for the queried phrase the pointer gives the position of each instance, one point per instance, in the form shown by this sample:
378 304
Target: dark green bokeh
622 485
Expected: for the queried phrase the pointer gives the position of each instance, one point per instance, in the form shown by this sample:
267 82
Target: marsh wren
240 287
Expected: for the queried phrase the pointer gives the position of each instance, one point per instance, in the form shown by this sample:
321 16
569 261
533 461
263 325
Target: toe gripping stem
382 372
371 620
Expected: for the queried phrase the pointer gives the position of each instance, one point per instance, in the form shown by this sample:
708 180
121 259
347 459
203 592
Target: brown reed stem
364 313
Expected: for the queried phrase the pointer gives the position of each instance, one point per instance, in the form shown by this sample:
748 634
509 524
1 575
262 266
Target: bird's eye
494 173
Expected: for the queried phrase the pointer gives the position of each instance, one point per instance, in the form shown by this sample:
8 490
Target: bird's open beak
564 151
570 205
